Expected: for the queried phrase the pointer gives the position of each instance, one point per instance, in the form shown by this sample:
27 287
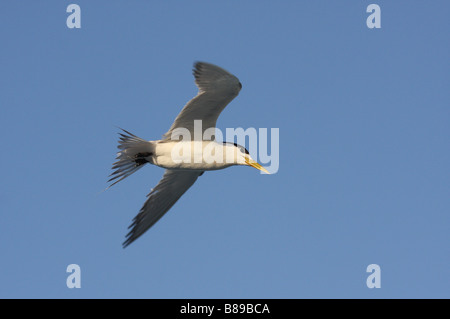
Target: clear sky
363 117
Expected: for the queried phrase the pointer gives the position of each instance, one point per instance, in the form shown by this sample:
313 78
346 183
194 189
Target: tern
182 154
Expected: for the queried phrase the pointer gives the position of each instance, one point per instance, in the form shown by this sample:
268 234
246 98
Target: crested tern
216 88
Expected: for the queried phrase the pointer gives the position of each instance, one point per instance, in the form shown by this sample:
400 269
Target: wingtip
196 71
198 64
129 239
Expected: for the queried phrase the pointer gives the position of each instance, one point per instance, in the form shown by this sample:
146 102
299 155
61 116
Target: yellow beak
255 164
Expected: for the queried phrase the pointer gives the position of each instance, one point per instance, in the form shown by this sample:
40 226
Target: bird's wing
169 189
217 88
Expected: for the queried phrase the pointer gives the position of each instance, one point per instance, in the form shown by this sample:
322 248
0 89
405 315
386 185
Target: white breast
196 155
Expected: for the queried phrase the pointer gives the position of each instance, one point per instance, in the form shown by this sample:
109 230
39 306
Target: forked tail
134 153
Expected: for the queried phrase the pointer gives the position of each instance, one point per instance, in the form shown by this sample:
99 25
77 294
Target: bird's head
242 157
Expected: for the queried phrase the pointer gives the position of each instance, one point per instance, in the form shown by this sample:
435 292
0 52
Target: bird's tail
134 153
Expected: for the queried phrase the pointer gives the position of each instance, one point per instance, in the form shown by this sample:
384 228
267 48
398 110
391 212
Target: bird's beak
252 163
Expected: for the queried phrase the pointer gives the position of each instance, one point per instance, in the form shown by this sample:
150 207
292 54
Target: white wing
217 88
169 189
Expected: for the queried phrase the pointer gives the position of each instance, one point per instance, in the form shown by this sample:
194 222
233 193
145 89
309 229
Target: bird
181 152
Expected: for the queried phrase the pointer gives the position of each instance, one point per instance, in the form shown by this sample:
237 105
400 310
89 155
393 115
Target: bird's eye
243 150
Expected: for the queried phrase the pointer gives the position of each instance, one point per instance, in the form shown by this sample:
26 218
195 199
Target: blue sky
363 116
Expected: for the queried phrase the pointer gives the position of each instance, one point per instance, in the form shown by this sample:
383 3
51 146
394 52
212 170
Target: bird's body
184 156
194 155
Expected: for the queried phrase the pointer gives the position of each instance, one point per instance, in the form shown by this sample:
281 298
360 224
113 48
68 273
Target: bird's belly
190 155
188 164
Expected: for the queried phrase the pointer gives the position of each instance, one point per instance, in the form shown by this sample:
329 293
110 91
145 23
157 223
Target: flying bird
184 155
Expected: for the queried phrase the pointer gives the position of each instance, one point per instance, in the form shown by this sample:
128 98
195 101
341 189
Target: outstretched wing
169 189
217 88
